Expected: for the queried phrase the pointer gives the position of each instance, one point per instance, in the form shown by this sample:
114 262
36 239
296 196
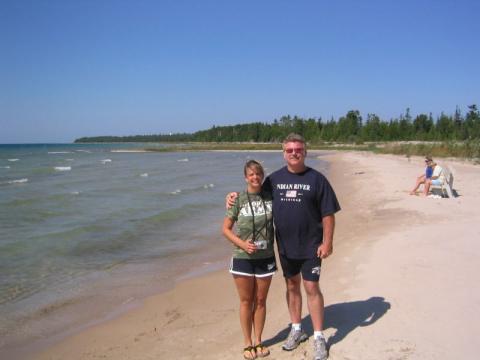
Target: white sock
297 327
318 335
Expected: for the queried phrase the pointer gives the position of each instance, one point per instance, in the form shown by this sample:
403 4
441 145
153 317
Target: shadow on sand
344 317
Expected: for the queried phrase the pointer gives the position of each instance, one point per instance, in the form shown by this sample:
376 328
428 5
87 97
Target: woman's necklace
253 216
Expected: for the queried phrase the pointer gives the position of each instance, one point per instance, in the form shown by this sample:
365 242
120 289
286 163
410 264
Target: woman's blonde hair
253 164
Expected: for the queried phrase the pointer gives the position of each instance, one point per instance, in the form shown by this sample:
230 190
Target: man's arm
326 247
232 196
230 199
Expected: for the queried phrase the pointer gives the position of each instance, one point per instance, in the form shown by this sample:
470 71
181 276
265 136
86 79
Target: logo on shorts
270 266
316 270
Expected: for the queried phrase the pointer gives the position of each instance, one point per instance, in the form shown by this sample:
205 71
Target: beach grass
469 150
463 150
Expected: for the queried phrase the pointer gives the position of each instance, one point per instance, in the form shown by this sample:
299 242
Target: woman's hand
246 245
249 247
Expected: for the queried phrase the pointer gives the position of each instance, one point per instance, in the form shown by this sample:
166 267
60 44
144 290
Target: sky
74 68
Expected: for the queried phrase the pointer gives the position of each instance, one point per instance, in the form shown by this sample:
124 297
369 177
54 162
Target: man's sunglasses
296 150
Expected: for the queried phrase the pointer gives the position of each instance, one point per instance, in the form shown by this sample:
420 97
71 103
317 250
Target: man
304 207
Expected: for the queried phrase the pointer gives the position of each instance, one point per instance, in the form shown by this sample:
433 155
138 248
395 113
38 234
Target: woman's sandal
249 353
261 350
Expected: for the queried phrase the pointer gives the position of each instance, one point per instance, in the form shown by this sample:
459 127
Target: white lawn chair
446 187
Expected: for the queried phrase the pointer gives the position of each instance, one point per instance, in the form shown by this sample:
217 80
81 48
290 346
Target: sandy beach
399 285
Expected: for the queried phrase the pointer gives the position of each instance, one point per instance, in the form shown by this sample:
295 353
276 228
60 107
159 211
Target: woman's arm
246 245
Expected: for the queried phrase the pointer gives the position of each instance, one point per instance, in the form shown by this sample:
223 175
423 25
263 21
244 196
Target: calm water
87 224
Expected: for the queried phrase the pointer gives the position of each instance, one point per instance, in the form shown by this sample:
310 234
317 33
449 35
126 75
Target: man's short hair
292 137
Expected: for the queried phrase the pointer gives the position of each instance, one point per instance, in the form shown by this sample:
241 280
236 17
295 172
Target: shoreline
65 310
216 267
128 298
43 320
372 297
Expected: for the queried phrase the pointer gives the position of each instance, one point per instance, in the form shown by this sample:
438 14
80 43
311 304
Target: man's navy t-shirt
300 201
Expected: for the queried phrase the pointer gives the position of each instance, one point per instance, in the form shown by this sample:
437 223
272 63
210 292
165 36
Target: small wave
69 159
5 167
144 175
115 264
128 300
12 160
63 168
53 307
104 161
190 190
18 181
183 160
75 192
59 152
129 151
85 151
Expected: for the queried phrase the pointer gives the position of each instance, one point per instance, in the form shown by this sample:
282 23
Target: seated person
423 177
437 178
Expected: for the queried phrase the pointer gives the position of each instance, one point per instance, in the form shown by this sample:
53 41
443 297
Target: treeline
354 128
177 138
351 128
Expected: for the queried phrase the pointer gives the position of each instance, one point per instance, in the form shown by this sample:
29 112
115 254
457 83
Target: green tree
444 128
298 126
393 130
422 126
312 130
348 128
329 130
372 131
472 122
405 126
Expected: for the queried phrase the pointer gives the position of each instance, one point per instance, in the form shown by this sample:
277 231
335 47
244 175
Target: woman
253 261
422 179
437 178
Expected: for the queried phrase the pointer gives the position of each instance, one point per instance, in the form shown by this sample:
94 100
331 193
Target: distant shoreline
469 151
461 150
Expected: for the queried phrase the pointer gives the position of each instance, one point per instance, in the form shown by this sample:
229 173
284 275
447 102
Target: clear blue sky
111 67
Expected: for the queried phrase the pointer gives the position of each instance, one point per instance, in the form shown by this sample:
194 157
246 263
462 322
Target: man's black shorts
310 268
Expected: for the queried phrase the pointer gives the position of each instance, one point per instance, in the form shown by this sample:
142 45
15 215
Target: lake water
86 230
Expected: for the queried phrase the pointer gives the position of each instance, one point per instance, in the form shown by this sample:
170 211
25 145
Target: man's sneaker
294 339
320 349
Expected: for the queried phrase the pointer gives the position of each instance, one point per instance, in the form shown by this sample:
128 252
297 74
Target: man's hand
326 247
325 250
230 199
